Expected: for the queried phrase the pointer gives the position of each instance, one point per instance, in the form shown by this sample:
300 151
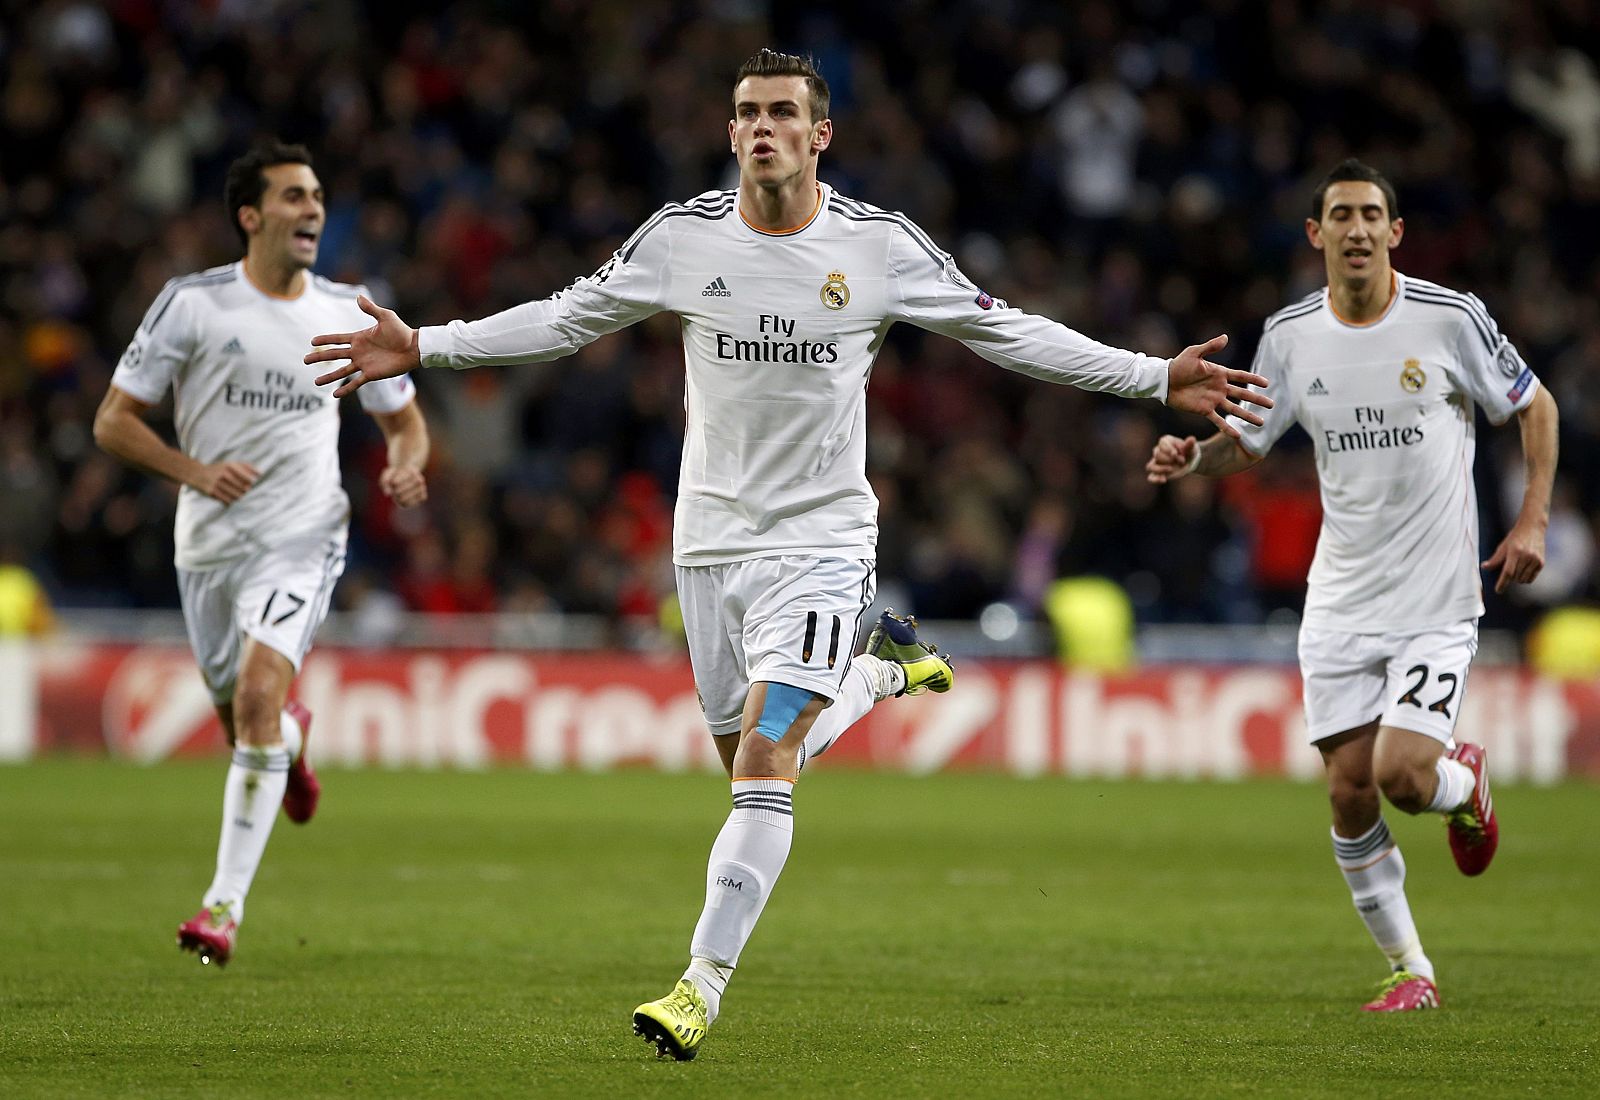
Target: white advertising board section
417 708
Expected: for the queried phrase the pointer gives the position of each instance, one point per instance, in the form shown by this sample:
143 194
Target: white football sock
888 677
711 980
250 800
1376 874
745 862
1456 784
861 689
293 736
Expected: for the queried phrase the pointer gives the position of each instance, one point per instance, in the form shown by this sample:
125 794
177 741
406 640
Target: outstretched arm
406 433
1218 456
929 291
120 431
1520 555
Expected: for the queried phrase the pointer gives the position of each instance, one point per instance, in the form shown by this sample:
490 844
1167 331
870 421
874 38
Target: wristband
1193 464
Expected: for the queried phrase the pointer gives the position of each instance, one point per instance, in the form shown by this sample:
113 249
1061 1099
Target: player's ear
822 137
733 142
1397 229
1314 233
249 220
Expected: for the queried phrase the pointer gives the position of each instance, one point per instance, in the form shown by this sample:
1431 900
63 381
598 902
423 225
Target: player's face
772 132
287 226
1356 232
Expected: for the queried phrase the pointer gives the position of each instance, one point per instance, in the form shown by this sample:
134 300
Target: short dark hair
1353 170
246 184
772 63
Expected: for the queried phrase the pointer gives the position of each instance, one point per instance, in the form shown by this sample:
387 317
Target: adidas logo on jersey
716 288
1317 389
233 347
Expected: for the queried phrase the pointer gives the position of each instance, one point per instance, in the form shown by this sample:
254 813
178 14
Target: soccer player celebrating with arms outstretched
262 517
1384 372
785 290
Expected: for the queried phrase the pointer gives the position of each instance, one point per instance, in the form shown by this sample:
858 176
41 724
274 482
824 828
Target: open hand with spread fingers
386 350
1212 390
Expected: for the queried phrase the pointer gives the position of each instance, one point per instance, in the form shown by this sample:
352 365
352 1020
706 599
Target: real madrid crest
1412 379
835 295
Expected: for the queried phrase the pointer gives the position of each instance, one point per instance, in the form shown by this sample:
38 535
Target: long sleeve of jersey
625 291
929 291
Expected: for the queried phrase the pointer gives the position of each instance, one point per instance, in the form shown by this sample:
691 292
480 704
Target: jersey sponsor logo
716 288
834 293
1369 434
278 396
1524 380
233 347
1412 376
1316 389
775 345
768 350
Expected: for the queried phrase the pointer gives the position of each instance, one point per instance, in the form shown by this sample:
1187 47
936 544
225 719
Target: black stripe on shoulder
712 207
338 290
1471 301
857 205
1426 291
1303 308
215 276
939 258
221 273
1480 319
849 206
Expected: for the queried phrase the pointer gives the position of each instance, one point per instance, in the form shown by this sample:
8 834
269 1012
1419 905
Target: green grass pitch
489 935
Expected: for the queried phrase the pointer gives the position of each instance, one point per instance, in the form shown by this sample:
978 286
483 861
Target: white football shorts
787 620
1413 681
279 597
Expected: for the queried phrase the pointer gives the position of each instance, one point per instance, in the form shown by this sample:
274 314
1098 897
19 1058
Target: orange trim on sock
1386 854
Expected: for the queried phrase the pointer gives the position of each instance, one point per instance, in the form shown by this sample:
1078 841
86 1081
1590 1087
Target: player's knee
760 756
1351 795
1400 783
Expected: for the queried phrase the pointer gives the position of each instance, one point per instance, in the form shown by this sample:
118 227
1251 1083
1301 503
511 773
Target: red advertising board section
411 708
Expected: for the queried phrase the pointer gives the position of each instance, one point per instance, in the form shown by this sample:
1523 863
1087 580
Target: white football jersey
1389 406
241 393
780 331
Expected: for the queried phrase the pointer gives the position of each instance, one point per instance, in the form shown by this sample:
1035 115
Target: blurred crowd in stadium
1138 170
